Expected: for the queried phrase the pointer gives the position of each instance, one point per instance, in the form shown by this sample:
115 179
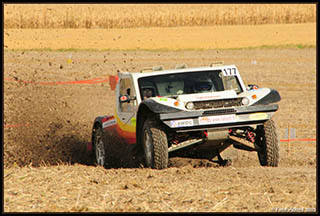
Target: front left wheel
155 145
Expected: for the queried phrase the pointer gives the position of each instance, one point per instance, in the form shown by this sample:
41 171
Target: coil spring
250 136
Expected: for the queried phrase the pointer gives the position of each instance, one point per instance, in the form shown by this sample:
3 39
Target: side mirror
126 98
252 86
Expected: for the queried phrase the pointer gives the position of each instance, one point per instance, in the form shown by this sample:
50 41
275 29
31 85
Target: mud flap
89 146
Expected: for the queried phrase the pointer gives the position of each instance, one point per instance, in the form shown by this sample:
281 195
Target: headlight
190 106
245 101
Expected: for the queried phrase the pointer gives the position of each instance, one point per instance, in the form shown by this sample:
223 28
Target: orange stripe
287 140
130 137
91 81
16 125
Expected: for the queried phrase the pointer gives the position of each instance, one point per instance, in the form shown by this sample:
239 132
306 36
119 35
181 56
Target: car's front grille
219 112
217 103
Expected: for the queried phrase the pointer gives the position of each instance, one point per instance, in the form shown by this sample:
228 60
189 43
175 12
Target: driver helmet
203 84
148 90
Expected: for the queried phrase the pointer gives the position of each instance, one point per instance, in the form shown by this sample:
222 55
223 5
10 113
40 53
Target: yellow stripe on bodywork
258 116
133 121
131 127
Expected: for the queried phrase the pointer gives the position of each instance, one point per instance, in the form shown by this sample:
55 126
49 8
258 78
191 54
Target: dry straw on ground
152 15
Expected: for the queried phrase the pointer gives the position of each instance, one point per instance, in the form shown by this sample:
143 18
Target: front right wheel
155 145
268 143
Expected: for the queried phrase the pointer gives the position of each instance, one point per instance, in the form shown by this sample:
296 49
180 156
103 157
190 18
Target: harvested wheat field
153 15
56 83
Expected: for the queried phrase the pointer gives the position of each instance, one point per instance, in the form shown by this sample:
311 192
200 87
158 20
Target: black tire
155 145
99 147
268 142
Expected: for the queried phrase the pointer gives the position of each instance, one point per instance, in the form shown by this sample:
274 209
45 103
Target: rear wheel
268 143
155 145
99 149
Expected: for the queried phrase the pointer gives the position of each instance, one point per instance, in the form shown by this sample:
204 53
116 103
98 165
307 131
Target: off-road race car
186 112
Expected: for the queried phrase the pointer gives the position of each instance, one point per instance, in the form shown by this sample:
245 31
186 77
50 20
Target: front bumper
218 118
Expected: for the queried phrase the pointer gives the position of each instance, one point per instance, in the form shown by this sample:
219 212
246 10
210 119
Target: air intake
181 66
217 63
154 68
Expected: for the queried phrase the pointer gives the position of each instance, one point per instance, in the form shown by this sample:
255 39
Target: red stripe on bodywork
107 118
128 136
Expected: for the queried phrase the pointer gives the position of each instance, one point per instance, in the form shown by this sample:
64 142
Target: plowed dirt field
51 99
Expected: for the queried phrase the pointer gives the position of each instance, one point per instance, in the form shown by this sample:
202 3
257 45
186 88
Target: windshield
173 85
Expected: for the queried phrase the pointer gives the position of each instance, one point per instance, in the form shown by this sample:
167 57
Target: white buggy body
193 112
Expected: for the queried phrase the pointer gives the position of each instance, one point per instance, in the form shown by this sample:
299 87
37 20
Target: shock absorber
205 133
250 136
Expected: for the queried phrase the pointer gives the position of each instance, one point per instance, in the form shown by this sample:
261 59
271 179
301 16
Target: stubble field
47 127
52 96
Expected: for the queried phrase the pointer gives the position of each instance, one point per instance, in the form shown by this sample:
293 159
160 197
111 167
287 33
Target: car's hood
207 96
255 97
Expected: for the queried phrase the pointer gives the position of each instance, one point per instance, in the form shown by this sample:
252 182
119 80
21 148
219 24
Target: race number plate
231 71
